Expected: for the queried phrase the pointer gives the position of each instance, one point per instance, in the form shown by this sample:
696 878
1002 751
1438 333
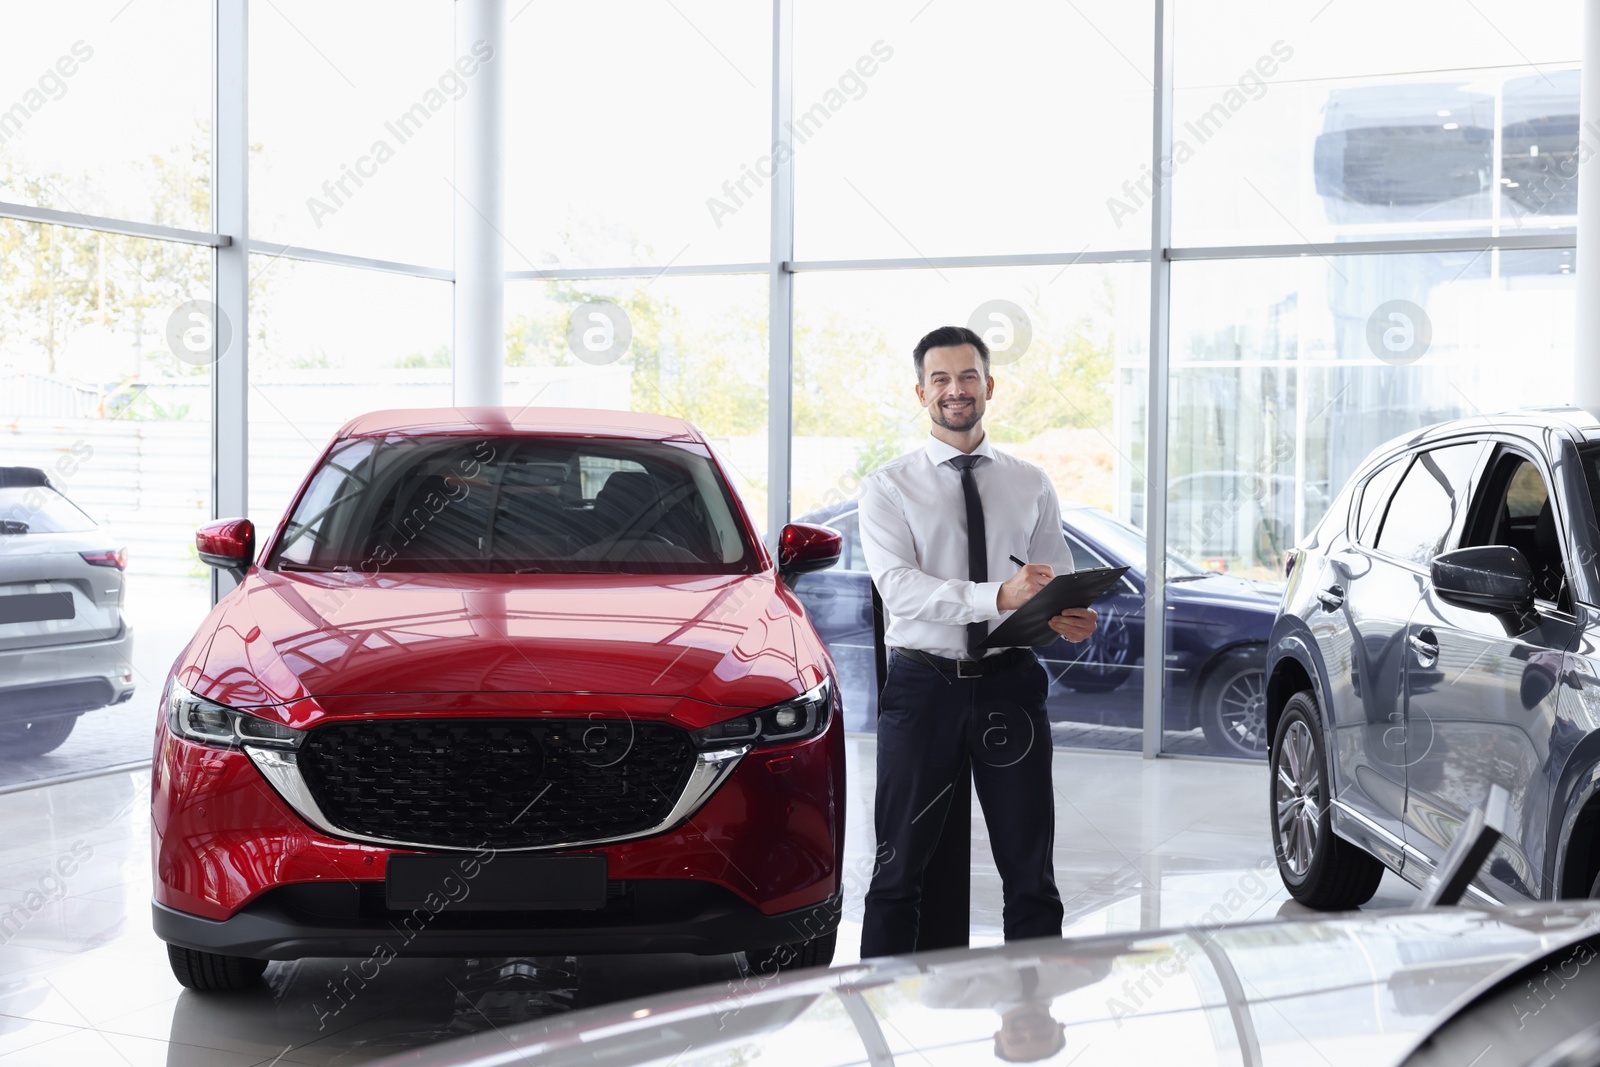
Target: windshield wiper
317 568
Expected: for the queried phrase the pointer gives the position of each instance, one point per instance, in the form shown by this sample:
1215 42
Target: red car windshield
523 505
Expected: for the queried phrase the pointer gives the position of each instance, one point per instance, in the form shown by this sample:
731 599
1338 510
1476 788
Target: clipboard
1030 624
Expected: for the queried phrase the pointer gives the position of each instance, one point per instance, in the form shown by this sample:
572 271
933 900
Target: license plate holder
496 882
36 607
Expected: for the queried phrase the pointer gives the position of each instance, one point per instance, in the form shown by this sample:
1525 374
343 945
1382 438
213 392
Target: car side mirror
803 547
1492 578
227 543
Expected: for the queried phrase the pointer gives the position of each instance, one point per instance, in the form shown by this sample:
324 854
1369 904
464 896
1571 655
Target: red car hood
500 642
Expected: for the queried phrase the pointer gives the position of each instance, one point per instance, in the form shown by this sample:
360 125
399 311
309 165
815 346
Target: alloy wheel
1242 707
1298 793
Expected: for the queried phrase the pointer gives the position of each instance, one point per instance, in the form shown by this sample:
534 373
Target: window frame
1353 521
1452 533
1499 447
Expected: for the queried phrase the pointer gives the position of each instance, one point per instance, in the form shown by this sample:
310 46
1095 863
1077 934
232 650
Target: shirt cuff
986 600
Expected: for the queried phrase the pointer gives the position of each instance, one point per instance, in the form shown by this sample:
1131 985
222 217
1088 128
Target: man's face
1029 1033
954 386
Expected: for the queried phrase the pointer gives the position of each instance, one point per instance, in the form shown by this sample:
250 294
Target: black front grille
497 783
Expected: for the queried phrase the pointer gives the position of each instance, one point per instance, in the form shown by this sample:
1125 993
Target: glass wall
105 109
352 125
104 449
1307 123
692 348
1286 372
952 163
926 130
640 134
328 343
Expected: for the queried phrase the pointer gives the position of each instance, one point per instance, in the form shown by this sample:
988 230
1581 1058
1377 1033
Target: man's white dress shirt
914 535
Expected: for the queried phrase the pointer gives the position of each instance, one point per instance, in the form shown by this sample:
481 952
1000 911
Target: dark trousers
928 722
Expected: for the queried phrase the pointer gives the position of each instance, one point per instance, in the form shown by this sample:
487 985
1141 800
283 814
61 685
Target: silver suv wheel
1299 797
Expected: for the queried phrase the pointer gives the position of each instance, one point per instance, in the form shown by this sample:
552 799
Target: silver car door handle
1331 598
1427 651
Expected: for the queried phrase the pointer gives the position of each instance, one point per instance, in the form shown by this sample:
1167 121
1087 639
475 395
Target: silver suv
64 646
1437 637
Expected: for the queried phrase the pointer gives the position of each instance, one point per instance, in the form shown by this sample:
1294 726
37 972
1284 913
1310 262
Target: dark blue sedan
1216 640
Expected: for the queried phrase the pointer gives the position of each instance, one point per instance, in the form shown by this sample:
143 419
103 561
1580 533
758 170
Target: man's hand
1075 624
1023 585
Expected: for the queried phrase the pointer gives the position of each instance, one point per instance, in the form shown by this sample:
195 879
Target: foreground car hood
1356 989
723 640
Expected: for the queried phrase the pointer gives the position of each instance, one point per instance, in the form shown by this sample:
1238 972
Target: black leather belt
970 668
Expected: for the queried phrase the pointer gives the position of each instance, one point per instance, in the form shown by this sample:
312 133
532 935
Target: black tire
1233 704
24 740
1319 869
209 972
818 952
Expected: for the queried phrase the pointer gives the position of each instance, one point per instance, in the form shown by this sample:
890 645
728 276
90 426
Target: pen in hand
1017 561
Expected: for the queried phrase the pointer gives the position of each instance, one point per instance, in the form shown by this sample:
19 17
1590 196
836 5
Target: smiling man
936 524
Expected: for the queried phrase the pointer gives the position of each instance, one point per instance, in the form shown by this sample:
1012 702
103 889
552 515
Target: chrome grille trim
281 768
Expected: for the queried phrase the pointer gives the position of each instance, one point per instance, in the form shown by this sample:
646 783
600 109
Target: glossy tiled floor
82 980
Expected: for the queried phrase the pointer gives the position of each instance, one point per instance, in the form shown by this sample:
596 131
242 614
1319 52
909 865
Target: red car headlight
206 722
792 720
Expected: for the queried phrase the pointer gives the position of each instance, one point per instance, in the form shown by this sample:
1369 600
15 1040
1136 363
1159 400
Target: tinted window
37 509
1374 495
1425 505
1516 511
1526 495
516 504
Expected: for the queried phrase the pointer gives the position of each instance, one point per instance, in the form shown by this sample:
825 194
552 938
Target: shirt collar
939 452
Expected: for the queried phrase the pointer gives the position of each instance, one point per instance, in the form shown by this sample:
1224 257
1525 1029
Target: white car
64 646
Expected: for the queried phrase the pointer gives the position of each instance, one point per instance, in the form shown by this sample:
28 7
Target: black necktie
977 546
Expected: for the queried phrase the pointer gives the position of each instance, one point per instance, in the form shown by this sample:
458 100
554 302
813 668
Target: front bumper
646 916
770 837
66 679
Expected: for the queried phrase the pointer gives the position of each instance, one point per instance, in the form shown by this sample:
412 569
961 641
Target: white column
1155 453
480 208
1586 362
780 313
230 276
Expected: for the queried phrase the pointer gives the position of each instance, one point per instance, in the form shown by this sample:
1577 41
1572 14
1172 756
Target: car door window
1514 508
1374 495
1424 508
1082 558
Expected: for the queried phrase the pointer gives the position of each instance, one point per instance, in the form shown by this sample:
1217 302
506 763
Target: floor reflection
1139 845
302 1014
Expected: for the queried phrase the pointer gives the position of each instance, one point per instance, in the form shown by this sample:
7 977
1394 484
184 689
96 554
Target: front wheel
1320 870
24 740
210 972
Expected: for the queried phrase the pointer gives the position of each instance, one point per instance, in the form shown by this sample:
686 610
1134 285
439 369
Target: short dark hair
948 337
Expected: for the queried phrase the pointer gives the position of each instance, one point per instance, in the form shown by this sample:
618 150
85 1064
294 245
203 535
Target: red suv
502 683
